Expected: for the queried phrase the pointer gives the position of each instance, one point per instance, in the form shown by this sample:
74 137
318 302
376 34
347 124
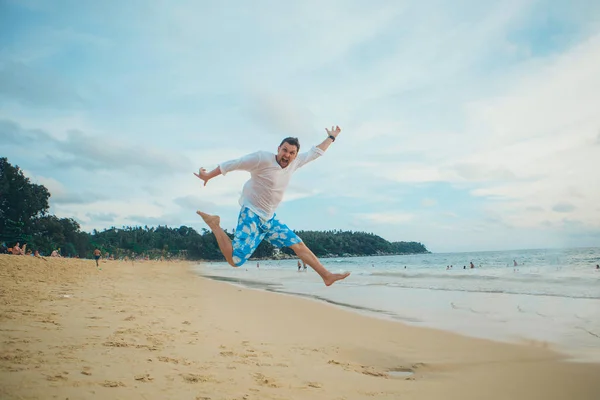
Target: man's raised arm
331 136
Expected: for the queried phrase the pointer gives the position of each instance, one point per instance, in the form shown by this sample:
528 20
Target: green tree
51 233
21 203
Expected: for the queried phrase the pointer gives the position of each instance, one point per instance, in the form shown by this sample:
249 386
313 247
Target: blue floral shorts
252 229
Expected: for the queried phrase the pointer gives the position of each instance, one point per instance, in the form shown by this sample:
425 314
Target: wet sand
154 330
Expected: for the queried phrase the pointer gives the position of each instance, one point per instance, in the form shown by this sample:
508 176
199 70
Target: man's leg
248 236
280 235
309 258
213 222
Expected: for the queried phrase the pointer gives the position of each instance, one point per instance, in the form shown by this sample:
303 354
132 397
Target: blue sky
469 125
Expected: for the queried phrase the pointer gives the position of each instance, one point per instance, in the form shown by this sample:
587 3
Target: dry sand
158 331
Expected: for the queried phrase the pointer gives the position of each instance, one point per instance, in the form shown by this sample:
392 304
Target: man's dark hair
293 141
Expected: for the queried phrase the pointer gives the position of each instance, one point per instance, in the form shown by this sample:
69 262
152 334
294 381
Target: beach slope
151 330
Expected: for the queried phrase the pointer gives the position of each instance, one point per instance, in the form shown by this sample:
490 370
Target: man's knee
298 247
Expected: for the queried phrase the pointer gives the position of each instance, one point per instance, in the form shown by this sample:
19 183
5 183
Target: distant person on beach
299 265
304 265
270 176
472 266
97 255
597 266
17 250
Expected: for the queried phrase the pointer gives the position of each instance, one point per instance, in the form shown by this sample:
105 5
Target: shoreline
294 257
573 353
271 288
159 330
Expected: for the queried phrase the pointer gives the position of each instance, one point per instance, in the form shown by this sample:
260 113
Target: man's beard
283 163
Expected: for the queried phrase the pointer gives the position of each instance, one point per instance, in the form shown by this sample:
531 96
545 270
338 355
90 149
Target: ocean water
551 296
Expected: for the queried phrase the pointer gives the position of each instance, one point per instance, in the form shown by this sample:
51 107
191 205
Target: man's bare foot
334 278
211 220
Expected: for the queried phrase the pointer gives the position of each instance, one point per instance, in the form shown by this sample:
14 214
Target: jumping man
270 176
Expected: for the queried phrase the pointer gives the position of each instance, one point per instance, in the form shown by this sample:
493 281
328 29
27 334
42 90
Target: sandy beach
152 330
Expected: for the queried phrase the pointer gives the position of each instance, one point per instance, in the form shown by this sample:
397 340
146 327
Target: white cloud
279 115
427 202
543 131
549 98
55 187
121 210
386 218
563 207
414 173
528 148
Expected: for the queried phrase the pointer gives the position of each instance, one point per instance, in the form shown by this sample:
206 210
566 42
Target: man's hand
334 131
206 176
203 175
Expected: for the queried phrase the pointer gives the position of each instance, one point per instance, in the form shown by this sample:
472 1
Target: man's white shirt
268 181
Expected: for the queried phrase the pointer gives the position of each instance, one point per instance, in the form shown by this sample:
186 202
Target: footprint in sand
195 378
265 381
366 370
259 364
58 377
398 372
112 384
174 360
143 378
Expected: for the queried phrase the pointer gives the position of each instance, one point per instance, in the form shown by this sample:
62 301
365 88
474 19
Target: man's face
286 153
